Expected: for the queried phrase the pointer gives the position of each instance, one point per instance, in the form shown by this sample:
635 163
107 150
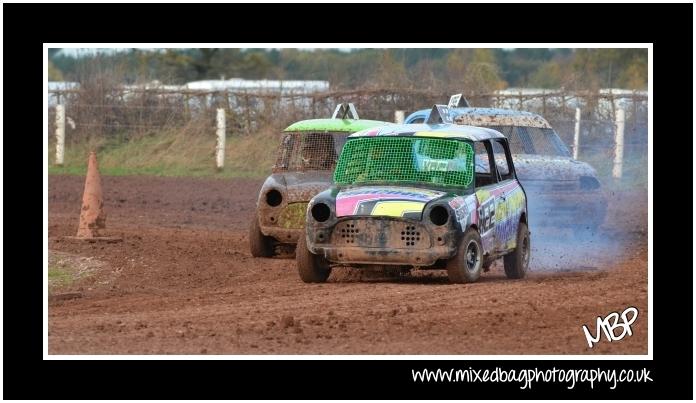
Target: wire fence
129 113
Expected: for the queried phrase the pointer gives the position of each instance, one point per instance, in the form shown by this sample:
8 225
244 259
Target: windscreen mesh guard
304 151
413 159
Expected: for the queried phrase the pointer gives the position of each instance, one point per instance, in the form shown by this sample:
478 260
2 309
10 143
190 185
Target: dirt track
183 282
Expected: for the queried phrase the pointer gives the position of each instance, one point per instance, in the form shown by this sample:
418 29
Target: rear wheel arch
516 263
260 245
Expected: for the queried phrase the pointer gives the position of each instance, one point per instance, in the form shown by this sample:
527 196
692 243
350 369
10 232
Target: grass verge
178 152
59 277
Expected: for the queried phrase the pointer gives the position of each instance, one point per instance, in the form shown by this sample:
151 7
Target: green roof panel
333 125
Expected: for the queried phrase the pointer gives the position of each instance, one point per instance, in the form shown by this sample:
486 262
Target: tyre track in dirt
183 282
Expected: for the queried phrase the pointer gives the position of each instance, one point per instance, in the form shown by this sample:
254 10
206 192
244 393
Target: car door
508 199
487 196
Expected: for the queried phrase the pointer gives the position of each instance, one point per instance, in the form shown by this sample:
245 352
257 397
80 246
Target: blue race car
562 192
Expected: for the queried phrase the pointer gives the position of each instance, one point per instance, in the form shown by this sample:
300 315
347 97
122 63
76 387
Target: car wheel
517 261
260 244
312 268
466 265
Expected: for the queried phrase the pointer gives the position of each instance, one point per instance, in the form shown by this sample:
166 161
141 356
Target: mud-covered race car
562 191
304 165
427 196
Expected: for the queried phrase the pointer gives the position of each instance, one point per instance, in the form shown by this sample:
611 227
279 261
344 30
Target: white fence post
619 143
220 148
576 137
399 117
60 134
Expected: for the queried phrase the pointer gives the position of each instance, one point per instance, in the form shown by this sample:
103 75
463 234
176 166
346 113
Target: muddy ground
184 282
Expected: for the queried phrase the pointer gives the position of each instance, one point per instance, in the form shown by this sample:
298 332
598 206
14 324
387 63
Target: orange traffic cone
92 216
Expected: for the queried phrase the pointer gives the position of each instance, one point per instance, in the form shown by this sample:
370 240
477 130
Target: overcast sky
75 52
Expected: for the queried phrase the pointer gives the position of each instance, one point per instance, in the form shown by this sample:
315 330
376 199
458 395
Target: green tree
475 71
468 70
54 74
634 70
391 72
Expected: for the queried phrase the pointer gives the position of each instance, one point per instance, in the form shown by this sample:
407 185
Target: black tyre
517 261
466 265
259 244
312 268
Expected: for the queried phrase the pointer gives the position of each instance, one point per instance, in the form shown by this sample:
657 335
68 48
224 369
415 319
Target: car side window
501 160
285 151
525 139
552 138
482 164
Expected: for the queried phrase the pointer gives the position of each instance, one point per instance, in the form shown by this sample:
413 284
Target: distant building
237 85
532 98
601 111
282 86
54 86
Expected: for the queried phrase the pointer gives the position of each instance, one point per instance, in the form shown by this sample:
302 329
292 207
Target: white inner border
648 356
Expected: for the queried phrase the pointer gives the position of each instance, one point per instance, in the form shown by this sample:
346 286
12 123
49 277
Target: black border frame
27 26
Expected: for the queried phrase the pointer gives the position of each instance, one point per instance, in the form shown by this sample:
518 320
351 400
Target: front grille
410 236
349 232
293 216
380 233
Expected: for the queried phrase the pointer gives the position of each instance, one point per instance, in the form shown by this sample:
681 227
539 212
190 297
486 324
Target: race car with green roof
426 196
562 191
304 164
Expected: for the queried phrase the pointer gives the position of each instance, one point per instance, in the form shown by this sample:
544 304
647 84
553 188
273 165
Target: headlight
588 183
321 212
439 215
274 198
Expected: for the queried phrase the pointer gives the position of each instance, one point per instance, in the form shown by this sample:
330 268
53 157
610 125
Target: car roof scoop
439 114
458 101
345 111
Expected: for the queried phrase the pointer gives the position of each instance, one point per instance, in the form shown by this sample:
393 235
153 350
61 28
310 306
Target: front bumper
383 240
387 256
283 235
